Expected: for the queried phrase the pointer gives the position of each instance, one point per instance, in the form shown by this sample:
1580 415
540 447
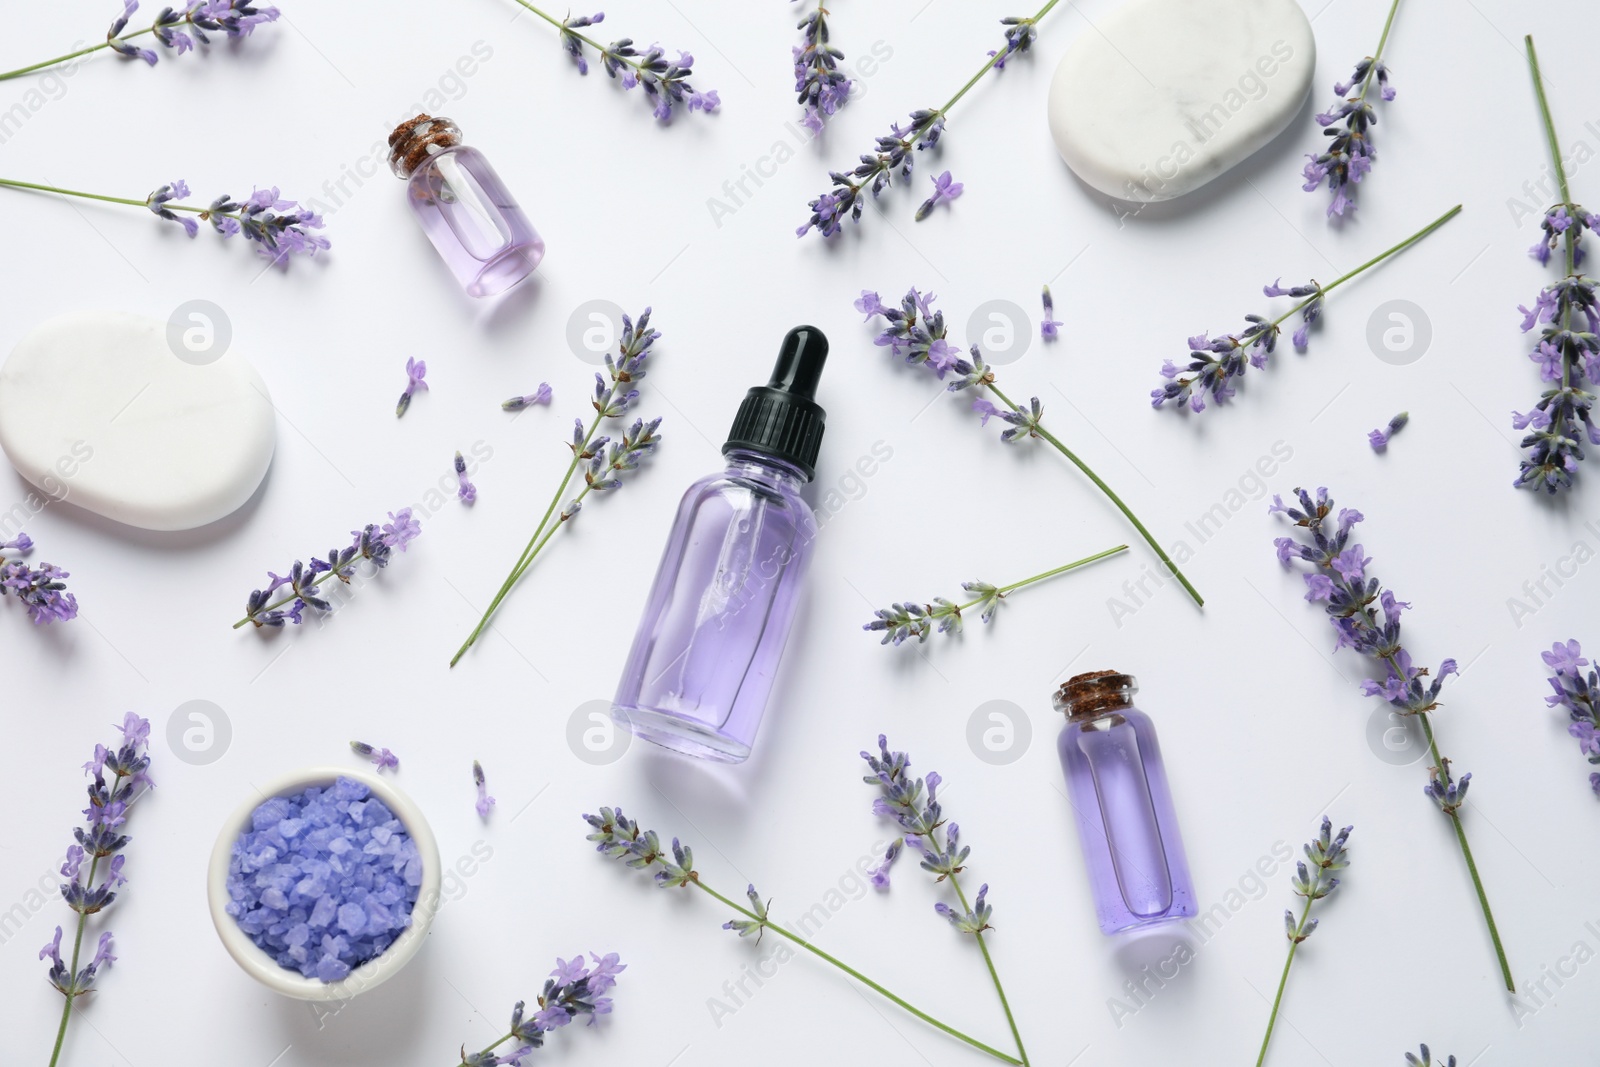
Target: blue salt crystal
324 880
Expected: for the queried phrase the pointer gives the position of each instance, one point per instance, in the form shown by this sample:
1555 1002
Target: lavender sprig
380 758
100 843
1326 854
665 82
1379 439
602 460
1426 1059
1350 153
416 372
1214 364
279 228
894 151
1339 581
1579 693
373 544
620 838
916 334
172 28
42 589
911 619
573 989
821 86
913 805
1567 354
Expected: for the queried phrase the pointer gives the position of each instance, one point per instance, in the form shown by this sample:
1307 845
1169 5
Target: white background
1263 726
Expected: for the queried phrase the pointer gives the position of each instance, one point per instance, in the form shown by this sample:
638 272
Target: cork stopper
1086 695
415 139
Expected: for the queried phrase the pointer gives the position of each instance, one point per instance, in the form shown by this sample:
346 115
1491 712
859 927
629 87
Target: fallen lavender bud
485 801
540 395
380 758
465 490
1379 439
416 370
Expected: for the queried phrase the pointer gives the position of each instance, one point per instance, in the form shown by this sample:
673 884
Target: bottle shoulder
740 488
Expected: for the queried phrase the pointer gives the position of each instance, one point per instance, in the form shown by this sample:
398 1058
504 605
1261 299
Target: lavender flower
464 488
944 188
177 29
620 838
372 544
380 758
1339 581
416 370
573 989
1350 153
900 621
540 395
485 801
41 590
893 152
1567 352
1215 364
1326 854
1049 328
665 81
1426 1059
1579 693
89 890
602 460
915 333
821 86
278 227
1379 439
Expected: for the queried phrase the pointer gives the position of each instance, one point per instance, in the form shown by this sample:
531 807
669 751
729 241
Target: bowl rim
262 967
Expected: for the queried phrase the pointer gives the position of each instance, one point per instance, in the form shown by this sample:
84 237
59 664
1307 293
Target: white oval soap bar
96 409
1161 96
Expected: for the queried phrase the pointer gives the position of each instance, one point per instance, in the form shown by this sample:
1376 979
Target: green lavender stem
20 71
1277 1001
535 543
994 975
1110 495
869 983
1472 869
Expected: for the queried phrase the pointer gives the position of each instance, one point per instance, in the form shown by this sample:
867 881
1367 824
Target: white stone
1161 96
96 409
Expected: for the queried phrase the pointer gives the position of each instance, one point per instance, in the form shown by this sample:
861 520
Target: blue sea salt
324 880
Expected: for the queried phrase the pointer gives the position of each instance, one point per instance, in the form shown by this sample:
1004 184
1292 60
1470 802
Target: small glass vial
467 212
1118 788
718 614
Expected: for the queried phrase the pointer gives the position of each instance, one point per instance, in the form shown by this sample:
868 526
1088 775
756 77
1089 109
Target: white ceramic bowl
262 967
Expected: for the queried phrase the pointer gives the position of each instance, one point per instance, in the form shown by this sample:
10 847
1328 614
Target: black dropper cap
782 418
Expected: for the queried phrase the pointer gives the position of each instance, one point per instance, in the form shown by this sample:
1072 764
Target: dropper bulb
800 360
